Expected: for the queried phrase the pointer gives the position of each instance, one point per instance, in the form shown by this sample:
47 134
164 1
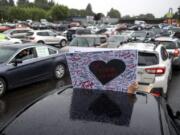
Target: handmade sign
42 51
106 70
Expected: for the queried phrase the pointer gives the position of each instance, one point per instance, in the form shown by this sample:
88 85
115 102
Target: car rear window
147 59
168 44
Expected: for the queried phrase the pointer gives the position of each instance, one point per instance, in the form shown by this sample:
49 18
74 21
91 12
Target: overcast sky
131 7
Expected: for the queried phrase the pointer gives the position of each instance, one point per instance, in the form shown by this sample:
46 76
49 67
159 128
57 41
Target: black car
28 63
94 112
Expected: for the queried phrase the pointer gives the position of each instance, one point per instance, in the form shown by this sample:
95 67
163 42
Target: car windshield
168 44
6 53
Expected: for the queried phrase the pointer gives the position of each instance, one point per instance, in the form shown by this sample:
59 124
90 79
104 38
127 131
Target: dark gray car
94 112
25 64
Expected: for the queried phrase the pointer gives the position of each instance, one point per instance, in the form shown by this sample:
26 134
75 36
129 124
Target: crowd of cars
158 47
40 54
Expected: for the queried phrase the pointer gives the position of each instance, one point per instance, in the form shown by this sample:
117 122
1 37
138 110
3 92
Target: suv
46 37
154 66
172 46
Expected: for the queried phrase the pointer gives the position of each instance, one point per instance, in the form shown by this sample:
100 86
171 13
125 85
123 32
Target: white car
154 67
172 46
46 37
4 39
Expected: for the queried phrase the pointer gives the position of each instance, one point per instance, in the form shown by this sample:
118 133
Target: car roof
139 46
76 112
21 46
166 39
90 35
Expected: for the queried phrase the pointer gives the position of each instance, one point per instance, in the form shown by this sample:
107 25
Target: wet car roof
20 46
89 112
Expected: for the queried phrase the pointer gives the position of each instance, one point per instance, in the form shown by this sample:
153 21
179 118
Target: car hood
89 112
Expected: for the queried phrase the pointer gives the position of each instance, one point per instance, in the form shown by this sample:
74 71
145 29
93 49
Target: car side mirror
16 62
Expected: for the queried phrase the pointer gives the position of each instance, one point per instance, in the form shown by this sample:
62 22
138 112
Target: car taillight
157 70
32 38
176 53
156 92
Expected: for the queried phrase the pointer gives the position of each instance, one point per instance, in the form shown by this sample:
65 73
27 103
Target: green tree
59 12
3 10
35 13
41 4
3 2
22 2
89 11
113 13
51 4
82 13
11 2
74 12
18 13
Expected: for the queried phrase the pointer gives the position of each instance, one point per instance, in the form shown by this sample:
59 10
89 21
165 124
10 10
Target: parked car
27 63
46 37
7 40
143 35
72 32
99 41
172 46
20 33
154 66
116 40
94 112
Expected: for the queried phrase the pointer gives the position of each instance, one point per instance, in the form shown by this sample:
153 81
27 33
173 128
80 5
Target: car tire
40 42
2 87
63 43
59 71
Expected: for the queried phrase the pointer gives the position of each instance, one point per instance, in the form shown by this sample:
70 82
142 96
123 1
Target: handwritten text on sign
107 70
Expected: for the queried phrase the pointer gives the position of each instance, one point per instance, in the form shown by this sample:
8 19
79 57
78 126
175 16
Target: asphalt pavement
174 91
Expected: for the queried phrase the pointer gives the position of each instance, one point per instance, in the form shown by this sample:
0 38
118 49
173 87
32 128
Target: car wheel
63 43
2 87
40 42
59 71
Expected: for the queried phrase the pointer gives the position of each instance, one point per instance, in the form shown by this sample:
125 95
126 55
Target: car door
45 60
54 39
25 72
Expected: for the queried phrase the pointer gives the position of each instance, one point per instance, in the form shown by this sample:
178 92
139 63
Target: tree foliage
59 12
22 2
89 11
113 13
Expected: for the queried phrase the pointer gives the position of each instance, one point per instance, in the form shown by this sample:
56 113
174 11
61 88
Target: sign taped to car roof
105 70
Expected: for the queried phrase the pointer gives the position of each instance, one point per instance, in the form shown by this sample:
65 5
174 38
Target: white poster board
105 70
42 51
